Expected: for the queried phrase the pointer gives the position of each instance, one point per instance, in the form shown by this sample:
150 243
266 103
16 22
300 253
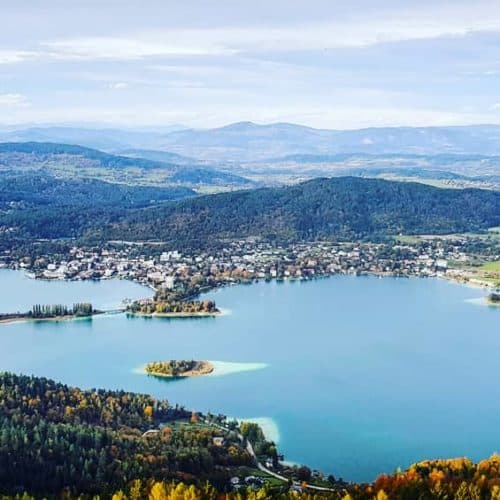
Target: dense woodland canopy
53 436
159 306
172 368
39 190
59 441
346 208
44 206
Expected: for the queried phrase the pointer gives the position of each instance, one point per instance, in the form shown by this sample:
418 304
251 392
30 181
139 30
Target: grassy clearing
251 471
492 267
407 239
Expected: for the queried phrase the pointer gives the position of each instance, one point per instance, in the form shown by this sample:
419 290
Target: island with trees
173 308
494 299
179 368
52 312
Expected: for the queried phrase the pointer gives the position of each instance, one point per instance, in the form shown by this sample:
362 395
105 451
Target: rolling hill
37 204
65 160
345 208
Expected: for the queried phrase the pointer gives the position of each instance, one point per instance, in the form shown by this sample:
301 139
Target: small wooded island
179 368
173 308
51 313
494 298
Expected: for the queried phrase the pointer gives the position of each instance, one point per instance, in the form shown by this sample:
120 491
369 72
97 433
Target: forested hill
40 205
47 152
77 161
344 207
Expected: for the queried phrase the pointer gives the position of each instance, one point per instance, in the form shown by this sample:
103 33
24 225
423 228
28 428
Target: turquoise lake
353 375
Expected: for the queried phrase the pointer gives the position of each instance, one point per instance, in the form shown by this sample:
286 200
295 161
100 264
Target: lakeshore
181 314
25 318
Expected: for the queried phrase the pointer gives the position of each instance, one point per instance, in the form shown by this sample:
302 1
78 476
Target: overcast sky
204 63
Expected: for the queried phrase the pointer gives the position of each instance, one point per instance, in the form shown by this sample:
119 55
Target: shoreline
202 368
200 314
26 319
456 276
453 277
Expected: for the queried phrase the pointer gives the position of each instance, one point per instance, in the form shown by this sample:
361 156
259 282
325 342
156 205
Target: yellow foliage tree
382 495
158 492
136 490
495 492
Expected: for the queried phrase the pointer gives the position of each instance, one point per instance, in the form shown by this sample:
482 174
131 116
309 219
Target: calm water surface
358 375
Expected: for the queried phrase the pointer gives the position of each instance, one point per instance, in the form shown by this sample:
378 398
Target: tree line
58 310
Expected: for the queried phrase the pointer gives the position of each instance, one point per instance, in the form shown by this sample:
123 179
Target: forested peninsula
52 313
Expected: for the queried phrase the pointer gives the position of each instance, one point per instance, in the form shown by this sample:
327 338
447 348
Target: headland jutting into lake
54 312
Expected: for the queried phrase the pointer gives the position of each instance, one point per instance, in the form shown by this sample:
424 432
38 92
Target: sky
205 63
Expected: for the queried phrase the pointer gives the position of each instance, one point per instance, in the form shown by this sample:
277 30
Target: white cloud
361 29
118 85
358 31
496 106
135 47
13 100
15 56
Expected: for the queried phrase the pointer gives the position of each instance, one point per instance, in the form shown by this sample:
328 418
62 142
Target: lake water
353 375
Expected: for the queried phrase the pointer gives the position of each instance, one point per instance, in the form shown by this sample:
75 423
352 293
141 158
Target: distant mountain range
246 141
246 154
65 160
99 138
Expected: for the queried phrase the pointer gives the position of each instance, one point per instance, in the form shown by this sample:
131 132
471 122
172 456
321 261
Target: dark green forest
43 206
346 208
53 436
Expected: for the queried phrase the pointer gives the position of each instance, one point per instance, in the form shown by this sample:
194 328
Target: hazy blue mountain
249 141
155 155
99 138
